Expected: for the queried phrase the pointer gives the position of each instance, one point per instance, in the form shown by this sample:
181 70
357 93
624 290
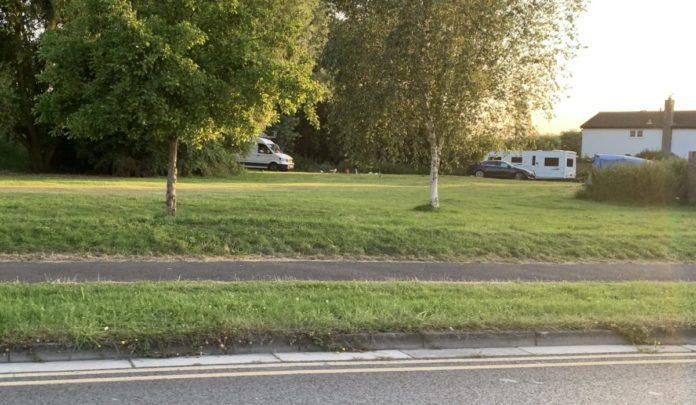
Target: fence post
692 178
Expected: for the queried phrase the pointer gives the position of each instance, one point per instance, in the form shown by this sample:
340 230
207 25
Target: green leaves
472 71
9 103
198 70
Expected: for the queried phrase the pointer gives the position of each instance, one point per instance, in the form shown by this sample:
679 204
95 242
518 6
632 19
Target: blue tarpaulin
601 160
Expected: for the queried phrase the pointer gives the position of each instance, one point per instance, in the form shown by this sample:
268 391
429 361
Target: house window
636 133
552 162
516 160
570 163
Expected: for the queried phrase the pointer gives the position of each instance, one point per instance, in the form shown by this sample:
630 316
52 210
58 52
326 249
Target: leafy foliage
571 140
548 142
22 25
191 72
651 155
660 183
416 78
284 132
14 157
198 70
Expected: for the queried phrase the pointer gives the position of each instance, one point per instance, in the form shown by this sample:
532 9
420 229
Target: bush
547 142
571 140
651 155
213 160
660 183
123 157
13 157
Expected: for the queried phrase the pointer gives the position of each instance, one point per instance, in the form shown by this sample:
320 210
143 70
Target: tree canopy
414 78
180 71
22 24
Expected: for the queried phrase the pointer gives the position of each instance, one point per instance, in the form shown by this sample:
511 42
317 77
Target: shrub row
658 182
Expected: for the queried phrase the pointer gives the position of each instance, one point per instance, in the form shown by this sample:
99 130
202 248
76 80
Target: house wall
619 141
683 141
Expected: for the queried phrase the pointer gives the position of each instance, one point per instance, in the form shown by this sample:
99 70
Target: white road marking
301 372
67 373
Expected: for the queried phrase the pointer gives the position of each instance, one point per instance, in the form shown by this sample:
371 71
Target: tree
284 132
571 140
190 72
22 24
414 77
547 142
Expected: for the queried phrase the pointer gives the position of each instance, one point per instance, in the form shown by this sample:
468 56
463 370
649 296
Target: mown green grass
145 314
334 216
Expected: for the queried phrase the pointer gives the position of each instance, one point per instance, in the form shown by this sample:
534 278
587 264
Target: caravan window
552 162
534 160
516 160
496 158
570 163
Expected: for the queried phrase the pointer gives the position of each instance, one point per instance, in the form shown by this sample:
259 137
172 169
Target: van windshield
275 148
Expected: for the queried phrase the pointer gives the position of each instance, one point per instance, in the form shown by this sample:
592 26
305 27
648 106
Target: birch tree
192 71
443 74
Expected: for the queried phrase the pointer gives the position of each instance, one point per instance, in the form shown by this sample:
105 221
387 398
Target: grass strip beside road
142 315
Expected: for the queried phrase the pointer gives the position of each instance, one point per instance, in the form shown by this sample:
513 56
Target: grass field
139 315
334 216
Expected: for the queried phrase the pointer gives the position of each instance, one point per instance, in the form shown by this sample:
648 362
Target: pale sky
638 53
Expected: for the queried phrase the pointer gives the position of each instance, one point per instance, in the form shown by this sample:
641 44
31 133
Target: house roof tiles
639 120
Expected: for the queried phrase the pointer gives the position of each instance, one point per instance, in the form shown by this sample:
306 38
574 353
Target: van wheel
479 173
273 166
519 176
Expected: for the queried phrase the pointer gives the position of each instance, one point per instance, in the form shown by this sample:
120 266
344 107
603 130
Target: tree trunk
171 177
435 150
37 159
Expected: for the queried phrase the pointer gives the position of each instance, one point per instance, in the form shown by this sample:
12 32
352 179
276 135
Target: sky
636 54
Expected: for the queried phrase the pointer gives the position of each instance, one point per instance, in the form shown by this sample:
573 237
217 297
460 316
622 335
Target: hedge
656 183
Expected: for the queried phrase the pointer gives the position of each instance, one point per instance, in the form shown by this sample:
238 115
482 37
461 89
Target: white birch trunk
171 177
435 150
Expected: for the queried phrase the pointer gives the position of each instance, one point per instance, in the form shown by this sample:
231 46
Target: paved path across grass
339 270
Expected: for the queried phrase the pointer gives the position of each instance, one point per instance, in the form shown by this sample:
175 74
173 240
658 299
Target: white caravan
264 154
546 164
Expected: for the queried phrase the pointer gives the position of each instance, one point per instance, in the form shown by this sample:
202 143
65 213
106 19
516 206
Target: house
629 133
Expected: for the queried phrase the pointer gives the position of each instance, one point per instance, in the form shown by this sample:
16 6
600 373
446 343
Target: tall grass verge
144 315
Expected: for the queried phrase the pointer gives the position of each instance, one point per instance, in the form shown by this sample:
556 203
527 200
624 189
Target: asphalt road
338 270
610 380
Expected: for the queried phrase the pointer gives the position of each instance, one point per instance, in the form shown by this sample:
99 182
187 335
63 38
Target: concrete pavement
125 271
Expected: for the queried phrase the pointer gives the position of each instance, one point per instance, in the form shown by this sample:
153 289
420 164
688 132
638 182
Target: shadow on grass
426 208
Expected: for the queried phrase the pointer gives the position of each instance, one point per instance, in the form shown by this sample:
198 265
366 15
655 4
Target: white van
264 154
547 164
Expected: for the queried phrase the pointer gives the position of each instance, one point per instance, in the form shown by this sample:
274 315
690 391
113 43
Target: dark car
497 168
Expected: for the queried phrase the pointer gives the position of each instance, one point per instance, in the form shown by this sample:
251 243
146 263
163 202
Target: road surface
610 379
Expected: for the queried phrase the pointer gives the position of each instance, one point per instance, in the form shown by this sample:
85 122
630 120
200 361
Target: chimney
667 124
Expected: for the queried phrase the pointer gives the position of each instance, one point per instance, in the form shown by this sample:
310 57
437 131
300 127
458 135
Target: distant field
334 216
